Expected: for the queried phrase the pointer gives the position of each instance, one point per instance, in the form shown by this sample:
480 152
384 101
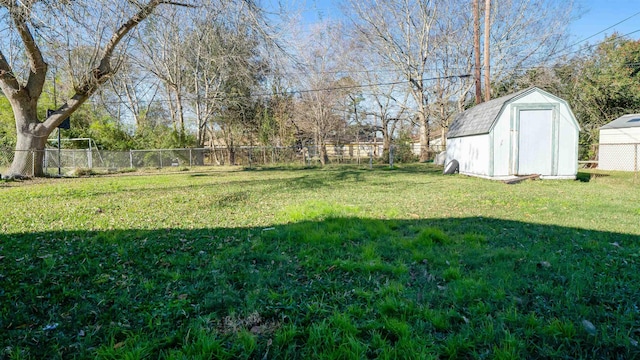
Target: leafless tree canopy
430 43
224 71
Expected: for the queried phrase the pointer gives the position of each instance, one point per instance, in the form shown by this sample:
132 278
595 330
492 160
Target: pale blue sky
597 15
601 14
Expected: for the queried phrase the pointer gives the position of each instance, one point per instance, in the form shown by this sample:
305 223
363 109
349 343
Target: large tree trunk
423 121
31 139
321 148
28 157
231 151
181 130
23 94
324 156
386 139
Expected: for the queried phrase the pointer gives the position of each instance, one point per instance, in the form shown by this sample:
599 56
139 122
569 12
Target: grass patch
318 263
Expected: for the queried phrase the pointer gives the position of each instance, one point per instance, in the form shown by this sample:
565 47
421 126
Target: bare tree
524 34
386 103
132 91
315 114
429 43
222 53
384 96
518 34
205 79
165 57
31 26
400 32
452 65
320 57
209 60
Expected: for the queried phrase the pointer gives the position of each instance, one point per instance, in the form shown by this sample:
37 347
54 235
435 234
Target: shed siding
501 138
620 157
619 149
496 153
472 152
535 97
567 144
620 136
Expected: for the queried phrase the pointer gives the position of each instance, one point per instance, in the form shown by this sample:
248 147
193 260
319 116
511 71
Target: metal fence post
190 159
130 159
635 157
635 163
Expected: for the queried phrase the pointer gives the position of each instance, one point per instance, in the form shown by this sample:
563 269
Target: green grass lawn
335 263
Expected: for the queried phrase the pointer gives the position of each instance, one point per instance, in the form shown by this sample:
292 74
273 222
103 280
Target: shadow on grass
307 178
588 176
583 177
333 287
427 168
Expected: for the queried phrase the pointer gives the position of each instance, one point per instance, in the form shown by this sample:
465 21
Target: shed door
535 142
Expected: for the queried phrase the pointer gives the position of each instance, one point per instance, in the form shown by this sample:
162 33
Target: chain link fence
6 158
618 157
68 160
240 156
30 158
608 157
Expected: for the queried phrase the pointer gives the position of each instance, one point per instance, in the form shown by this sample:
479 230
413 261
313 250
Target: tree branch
101 74
8 81
37 65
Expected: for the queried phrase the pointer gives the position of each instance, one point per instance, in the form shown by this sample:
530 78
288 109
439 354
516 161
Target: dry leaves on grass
253 323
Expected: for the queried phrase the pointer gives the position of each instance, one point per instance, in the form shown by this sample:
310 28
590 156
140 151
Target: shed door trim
515 131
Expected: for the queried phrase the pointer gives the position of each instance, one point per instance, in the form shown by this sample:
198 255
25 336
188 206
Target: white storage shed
619 147
525 133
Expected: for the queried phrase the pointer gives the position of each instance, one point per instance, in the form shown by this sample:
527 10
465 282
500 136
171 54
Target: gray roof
626 121
479 119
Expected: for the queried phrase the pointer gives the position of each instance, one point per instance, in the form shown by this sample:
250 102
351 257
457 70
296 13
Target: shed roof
480 118
625 121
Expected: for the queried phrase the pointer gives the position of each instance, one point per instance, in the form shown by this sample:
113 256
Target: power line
616 37
378 84
552 55
559 52
601 31
294 92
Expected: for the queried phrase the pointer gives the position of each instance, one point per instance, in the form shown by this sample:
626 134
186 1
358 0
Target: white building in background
525 133
619 147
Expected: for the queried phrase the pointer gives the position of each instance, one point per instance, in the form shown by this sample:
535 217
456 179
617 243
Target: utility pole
487 61
55 106
476 50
